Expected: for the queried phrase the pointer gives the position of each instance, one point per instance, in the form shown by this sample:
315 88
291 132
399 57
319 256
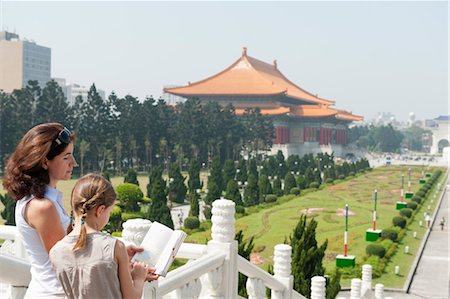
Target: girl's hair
90 192
24 173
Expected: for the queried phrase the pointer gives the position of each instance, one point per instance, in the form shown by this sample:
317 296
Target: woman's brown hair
90 192
24 173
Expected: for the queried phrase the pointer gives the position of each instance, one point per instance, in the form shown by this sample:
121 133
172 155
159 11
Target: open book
161 245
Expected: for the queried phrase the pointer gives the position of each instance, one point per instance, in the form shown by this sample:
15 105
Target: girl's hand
138 271
151 274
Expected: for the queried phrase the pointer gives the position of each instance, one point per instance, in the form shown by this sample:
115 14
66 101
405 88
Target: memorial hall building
304 123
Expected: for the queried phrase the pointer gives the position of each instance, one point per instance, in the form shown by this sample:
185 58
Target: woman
42 158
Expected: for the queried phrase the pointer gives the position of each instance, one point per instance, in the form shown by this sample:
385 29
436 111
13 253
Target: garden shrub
375 249
295 191
412 205
129 196
406 212
399 221
420 193
389 233
240 210
314 185
351 173
128 216
341 177
207 212
191 222
329 181
271 198
416 199
386 243
115 220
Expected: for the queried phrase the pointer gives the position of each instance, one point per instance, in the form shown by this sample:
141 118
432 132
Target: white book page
168 255
154 244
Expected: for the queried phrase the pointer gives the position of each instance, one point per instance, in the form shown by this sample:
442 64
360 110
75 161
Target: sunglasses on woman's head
63 137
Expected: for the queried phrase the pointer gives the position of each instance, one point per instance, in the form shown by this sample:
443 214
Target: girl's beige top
90 272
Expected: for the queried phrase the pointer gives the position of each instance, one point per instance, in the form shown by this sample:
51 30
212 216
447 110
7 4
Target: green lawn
273 225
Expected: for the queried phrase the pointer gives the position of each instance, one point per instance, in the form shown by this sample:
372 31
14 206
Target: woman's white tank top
43 279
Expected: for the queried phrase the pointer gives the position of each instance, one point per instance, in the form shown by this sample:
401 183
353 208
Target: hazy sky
367 56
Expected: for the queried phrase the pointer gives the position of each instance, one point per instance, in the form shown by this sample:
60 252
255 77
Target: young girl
42 158
89 263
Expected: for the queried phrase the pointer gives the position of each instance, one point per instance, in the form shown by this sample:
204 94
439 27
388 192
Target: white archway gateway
441 131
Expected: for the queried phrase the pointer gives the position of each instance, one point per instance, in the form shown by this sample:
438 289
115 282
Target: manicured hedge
405 212
389 233
375 249
191 222
399 221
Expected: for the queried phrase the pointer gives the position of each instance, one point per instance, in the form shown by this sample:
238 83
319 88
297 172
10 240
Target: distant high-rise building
22 60
72 91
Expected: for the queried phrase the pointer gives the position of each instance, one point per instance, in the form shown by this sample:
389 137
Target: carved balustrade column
134 230
355 292
366 285
223 282
255 288
379 291
282 270
318 288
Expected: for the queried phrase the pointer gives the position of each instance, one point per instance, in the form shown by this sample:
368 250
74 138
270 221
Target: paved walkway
432 277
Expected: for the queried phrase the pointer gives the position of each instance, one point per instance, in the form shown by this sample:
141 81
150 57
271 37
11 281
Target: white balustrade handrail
252 271
184 274
191 251
15 271
8 232
297 295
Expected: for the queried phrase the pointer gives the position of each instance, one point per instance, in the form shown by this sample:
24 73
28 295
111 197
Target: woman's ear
99 210
45 164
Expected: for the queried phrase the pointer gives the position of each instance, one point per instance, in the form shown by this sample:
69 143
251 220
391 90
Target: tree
251 192
281 168
216 175
159 211
289 183
194 176
177 188
277 187
264 187
8 212
252 168
194 208
307 256
131 177
213 193
232 193
244 249
241 172
52 105
229 172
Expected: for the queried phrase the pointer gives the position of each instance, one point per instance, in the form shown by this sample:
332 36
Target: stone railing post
366 285
255 288
282 260
134 230
318 288
355 292
223 282
379 291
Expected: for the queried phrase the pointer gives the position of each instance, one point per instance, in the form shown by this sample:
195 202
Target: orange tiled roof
274 111
312 111
248 76
346 115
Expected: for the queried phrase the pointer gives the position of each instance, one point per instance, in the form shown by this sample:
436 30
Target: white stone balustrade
318 289
366 284
134 230
255 288
379 291
355 292
282 259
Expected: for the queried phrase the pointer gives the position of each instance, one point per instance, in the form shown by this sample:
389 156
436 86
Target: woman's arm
41 214
131 286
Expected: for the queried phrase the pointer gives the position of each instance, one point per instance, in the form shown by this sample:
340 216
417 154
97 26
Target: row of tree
118 133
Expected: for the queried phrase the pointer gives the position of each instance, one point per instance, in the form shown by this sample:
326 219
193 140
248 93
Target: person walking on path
442 223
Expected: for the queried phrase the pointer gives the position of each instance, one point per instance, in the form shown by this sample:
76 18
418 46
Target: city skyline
369 57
